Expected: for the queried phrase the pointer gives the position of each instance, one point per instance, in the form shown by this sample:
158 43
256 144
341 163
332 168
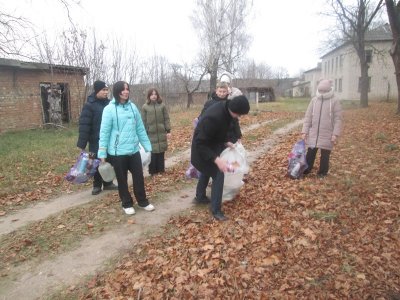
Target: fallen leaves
333 238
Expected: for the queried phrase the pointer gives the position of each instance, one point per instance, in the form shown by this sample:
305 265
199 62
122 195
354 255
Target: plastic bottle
295 170
106 171
82 165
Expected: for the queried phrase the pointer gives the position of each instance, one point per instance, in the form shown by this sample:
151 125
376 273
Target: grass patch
27 156
324 216
284 104
381 136
391 147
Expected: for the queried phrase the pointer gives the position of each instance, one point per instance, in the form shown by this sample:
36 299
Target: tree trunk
189 100
213 75
364 85
394 20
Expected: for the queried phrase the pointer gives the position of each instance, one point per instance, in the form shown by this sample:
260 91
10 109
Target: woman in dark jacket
156 121
89 129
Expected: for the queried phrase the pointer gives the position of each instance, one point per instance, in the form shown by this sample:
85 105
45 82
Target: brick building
33 94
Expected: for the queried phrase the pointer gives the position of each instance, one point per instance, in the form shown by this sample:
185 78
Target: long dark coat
89 123
209 138
234 132
157 123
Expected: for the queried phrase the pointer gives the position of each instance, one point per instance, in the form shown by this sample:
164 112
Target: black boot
96 190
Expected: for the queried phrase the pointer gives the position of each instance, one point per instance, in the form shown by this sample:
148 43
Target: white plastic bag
237 158
145 156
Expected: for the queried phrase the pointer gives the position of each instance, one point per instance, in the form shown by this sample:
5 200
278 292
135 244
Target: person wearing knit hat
239 105
322 126
209 140
234 136
232 91
324 86
98 85
89 129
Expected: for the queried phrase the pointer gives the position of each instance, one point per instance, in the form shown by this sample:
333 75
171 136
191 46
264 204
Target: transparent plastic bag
237 159
297 160
84 168
192 172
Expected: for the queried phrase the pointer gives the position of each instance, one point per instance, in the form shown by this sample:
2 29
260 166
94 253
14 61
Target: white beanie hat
225 78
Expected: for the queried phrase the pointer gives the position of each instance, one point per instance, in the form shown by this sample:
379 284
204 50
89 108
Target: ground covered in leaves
334 238
63 232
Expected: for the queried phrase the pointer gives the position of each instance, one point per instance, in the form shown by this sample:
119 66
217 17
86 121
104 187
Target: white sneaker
129 210
149 207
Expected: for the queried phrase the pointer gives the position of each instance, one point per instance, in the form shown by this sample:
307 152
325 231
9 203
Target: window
336 85
341 61
368 56
340 85
359 84
336 63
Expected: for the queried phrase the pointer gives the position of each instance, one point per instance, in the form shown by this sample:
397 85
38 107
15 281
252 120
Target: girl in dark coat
156 121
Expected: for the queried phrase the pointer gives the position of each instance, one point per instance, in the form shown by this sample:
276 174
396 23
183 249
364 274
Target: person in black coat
209 140
89 129
234 134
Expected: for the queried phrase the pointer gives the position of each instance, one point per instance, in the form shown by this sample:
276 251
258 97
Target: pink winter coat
322 120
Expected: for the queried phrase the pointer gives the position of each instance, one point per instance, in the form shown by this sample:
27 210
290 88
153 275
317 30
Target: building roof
17 64
260 83
317 68
382 33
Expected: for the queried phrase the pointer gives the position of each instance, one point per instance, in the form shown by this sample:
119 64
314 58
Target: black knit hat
98 85
239 105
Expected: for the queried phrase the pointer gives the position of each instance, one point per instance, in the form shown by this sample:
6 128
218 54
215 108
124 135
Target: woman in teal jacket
121 132
156 120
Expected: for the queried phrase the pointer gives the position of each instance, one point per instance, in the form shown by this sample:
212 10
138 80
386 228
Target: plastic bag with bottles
84 168
297 160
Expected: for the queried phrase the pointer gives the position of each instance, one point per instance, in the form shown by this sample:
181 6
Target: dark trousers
97 180
324 160
202 186
217 188
132 163
157 163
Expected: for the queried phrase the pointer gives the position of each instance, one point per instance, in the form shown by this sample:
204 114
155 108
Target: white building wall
343 66
313 77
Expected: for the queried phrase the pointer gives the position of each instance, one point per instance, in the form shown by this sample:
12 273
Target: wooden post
257 99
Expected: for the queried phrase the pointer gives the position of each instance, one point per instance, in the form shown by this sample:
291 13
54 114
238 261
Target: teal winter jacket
122 130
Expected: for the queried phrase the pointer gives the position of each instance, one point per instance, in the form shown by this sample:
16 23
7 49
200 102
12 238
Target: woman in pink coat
322 126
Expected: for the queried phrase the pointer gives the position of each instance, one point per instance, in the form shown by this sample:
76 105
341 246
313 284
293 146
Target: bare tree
353 21
393 11
249 69
13 34
190 76
221 27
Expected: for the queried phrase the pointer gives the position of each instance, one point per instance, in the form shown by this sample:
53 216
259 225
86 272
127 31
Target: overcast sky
286 33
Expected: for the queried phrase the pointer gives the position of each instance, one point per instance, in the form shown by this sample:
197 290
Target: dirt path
43 210
35 281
